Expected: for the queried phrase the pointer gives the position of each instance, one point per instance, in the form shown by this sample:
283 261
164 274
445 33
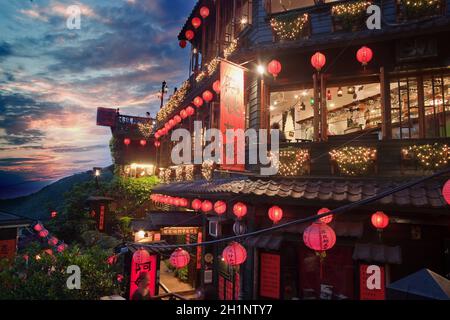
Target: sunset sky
52 80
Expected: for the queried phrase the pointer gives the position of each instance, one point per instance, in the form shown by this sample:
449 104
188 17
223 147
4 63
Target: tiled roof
332 190
7 219
158 220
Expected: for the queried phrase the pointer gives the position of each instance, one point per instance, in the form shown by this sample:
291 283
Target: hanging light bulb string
334 212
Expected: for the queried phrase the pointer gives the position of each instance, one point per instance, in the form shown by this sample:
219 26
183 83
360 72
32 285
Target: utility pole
163 92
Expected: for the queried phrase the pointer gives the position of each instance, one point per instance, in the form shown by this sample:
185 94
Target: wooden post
323 108
421 106
264 120
386 115
316 120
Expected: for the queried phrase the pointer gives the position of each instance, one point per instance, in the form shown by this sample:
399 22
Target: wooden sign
101 219
106 117
372 282
269 276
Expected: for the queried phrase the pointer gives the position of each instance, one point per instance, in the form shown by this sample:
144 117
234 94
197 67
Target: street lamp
97 173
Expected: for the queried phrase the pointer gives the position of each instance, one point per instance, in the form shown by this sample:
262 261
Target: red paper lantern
167 127
220 207
235 254
216 86
380 220
183 114
182 44
143 142
190 111
326 219
164 131
208 96
54 214
177 119
207 206
196 204
52 241
38 227
43 233
184 202
446 192
120 277
157 135
204 12
189 35
318 61
180 258
275 214
112 260
274 68
198 102
157 144
319 237
196 22
240 210
364 55
127 141
172 123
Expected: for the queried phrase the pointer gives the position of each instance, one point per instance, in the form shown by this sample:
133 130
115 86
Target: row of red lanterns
51 240
127 142
198 102
173 201
196 23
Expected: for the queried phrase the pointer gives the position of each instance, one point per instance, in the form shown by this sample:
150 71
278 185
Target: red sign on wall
236 286
228 290
270 276
7 249
221 289
232 111
372 282
199 251
101 221
143 262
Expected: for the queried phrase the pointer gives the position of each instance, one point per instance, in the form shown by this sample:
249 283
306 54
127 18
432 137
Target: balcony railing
140 126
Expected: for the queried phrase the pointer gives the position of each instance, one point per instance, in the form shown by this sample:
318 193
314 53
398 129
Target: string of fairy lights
429 156
289 27
354 161
350 9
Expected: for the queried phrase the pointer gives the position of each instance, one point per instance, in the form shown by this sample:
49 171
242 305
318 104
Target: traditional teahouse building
360 110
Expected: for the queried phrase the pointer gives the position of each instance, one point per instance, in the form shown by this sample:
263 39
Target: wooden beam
316 120
386 115
323 108
421 106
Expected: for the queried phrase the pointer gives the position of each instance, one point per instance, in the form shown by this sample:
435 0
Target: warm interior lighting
244 21
261 70
140 235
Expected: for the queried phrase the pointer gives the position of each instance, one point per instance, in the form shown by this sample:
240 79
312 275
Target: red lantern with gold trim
208 96
198 102
189 35
190 111
220 207
196 204
275 214
380 220
318 61
364 55
326 219
180 258
274 68
446 192
216 86
204 12
196 22
240 210
234 254
207 206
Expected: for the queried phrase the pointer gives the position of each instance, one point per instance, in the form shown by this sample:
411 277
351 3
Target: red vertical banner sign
141 262
221 289
269 276
101 219
372 282
7 249
237 287
228 290
232 111
199 252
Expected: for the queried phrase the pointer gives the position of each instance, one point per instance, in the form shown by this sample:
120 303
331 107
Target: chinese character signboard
106 117
270 276
372 282
232 111
141 262
101 219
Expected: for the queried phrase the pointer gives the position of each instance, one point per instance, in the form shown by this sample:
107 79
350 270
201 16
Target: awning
377 253
424 284
157 220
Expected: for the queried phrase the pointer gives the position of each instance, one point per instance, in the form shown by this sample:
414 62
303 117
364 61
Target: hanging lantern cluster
180 258
196 204
45 235
207 206
198 102
220 207
196 22
172 201
234 254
